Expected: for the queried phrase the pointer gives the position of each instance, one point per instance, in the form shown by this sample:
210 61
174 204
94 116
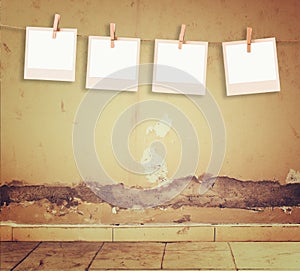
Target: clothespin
55 25
112 35
181 36
249 33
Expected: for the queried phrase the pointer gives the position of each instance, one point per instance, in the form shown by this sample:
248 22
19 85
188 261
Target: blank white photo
48 58
114 68
253 72
180 70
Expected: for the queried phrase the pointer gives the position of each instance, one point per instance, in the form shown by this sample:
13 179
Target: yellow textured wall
37 117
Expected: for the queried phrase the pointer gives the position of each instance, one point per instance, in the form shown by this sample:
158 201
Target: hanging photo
251 72
113 68
48 57
182 70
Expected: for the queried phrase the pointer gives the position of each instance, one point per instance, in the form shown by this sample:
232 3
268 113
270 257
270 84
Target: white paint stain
154 165
161 128
114 210
293 176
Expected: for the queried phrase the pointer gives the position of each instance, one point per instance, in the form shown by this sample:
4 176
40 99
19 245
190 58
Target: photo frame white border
179 88
251 87
50 74
112 83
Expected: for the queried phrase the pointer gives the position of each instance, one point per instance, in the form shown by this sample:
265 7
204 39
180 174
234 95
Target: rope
144 40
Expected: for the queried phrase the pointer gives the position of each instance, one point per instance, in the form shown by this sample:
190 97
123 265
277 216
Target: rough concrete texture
37 117
224 193
228 201
54 194
231 193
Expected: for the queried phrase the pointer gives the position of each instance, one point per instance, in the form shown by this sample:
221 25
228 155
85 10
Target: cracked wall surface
244 201
262 131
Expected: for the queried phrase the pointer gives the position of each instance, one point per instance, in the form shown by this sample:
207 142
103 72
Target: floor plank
13 252
202 259
53 256
191 246
267 255
183 256
129 256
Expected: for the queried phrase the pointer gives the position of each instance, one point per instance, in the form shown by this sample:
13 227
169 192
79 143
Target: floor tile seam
26 256
94 257
232 256
163 256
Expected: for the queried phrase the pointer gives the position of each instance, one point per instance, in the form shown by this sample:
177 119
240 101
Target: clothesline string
143 40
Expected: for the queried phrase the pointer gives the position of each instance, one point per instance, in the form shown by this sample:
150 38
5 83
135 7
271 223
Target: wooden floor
55 256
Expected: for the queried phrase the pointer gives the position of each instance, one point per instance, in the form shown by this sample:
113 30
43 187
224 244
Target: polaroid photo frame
113 68
48 58
253 72
180 71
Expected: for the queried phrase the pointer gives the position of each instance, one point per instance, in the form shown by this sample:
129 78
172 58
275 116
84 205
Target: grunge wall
262 131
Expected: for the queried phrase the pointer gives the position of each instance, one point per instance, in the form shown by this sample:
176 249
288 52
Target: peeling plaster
293 176
225 193
161 128
155 165
287 210
114 210
228 201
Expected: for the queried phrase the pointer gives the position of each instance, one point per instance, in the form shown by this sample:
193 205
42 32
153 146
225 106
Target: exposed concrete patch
225 193
134 198
54 194
231 193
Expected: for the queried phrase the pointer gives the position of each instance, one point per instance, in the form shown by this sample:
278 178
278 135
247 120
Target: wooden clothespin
112 35
181 36
249 33
55 25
